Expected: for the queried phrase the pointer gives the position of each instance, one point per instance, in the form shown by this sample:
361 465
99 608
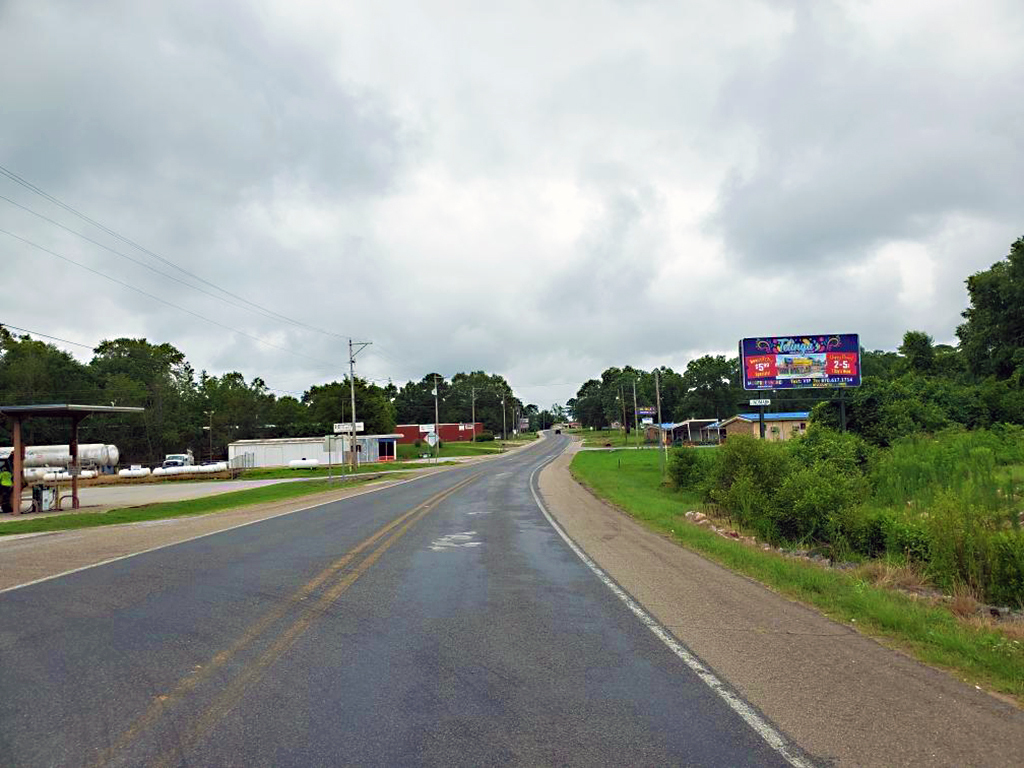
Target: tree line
182 405
921 387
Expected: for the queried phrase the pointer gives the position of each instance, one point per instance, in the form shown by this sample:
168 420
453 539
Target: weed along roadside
891 597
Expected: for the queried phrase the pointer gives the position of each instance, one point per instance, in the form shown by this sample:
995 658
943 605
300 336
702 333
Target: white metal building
278 452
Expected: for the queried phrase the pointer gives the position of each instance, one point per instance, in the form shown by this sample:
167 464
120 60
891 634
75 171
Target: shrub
1007 585
690 467
810 504
484 437
418 443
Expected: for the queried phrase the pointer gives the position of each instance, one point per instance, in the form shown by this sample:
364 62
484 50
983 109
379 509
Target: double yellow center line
364 555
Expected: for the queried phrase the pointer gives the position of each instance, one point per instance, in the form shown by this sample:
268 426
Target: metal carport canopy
77 413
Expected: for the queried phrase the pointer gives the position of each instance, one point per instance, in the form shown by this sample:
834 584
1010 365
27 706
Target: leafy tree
992 338
918 350
711 388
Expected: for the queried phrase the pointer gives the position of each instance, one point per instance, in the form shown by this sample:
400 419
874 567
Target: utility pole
636 416
210 414
503 420
437 426
473 412
625 426
352 385
661 429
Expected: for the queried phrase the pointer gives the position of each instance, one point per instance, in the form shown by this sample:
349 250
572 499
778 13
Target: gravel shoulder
840 695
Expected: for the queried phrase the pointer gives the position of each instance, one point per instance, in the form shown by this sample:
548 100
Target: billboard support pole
760 420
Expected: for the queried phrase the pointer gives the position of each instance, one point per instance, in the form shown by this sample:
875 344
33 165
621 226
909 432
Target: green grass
201 506
632 481
599 438
275 473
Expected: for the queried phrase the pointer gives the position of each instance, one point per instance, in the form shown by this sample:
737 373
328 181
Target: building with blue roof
778 426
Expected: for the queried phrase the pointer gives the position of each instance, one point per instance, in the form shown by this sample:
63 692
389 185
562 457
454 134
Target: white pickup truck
179 460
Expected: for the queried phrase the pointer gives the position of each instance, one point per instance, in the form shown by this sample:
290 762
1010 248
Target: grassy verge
449 450
201 506
599 438
275 473
632 481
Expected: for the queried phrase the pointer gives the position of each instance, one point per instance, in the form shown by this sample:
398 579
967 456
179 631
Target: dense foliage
181 405
951 502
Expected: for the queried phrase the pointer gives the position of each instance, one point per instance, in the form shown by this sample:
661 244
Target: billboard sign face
801 362
646 410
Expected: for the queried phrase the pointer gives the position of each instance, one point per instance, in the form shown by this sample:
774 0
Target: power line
45 336
47 196
163 301
143 264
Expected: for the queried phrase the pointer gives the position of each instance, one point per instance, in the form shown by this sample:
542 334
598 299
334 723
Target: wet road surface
439 622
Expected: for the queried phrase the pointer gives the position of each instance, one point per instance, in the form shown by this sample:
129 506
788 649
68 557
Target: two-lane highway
439 622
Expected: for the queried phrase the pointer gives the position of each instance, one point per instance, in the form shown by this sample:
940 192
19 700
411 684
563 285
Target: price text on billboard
801 362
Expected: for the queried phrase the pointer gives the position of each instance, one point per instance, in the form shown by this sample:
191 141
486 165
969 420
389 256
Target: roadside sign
431 439
347 427
800 362
647 420
647 410
760 402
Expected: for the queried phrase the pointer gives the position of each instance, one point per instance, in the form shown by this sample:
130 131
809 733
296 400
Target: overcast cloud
534 188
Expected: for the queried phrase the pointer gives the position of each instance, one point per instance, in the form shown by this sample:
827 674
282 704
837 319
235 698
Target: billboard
647 410
800 362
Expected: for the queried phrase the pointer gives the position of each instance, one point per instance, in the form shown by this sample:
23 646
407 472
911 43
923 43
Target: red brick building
449 433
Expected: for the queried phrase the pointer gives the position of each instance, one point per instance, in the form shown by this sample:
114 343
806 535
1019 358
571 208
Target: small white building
278 452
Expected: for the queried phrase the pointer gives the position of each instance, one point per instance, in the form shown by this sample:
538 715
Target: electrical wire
45 336
144 265
164 301
47 196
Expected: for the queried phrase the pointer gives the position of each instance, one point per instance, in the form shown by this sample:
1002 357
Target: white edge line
750 716
211 533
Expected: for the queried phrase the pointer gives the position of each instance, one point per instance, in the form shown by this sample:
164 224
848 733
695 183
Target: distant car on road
558 431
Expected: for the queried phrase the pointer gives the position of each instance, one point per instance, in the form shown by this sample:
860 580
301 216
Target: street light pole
636 416
661 429
210 415
352 386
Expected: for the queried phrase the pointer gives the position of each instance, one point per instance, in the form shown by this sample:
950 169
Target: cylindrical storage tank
303 463
113 456
159 472
222 466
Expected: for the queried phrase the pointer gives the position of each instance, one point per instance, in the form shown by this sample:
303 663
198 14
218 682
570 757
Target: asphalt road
438 622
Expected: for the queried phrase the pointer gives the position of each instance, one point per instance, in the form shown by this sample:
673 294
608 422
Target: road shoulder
26 559
836 693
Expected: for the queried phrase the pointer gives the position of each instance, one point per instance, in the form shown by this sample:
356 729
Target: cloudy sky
540 189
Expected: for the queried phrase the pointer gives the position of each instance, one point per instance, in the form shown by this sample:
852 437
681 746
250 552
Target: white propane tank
59 456
303 463
159 471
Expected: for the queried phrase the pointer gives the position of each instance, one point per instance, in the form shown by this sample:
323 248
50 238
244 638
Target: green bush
942 500
484 437
810 504
690 467
1007 584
